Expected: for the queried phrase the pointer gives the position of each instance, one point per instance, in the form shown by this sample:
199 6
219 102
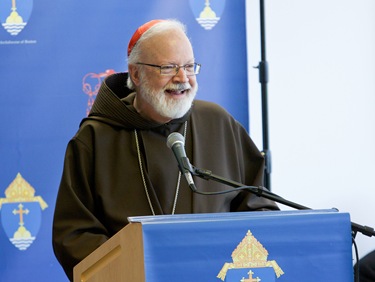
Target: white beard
167 106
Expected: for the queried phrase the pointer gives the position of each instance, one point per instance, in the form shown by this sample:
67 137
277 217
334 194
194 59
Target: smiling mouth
176 92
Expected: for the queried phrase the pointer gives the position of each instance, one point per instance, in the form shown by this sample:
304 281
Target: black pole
263 79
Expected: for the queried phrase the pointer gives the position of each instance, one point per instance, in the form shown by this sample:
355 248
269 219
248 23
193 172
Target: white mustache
178 87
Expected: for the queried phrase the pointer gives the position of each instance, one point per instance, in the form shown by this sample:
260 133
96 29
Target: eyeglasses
190 69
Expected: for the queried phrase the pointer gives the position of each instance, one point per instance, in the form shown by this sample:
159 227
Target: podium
293 246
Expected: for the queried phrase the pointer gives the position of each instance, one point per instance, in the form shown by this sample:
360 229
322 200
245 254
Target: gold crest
21 191
20 202
250 254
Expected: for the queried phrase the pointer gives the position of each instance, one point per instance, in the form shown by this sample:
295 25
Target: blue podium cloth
311 245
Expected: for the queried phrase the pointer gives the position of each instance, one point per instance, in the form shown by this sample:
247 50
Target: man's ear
134 74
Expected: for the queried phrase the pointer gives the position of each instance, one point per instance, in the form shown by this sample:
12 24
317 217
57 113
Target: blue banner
53 57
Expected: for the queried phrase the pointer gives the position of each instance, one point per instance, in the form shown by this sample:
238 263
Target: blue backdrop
53 55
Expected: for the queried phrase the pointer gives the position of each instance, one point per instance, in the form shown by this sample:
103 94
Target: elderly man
118 164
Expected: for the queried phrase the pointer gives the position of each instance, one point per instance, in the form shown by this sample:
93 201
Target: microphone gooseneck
176 142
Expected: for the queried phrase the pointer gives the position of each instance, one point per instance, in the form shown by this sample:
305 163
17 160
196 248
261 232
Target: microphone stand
263 79
261 192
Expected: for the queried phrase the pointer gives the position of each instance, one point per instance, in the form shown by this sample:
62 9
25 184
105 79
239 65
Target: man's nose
181 75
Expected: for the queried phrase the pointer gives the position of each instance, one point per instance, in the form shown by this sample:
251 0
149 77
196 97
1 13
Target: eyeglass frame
197 68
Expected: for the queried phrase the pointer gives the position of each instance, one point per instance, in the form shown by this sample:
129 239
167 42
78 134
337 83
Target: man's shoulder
201 106
94 126
98 122
205 112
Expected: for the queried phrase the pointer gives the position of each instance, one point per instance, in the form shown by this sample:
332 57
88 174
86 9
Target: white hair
161 27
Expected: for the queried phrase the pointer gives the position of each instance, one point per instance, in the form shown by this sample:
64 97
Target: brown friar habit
102 186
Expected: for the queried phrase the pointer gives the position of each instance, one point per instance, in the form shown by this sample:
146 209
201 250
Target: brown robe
101 185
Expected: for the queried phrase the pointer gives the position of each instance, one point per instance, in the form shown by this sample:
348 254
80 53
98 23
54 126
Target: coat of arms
21 213
250 259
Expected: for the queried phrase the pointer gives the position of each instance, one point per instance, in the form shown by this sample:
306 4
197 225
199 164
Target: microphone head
174 138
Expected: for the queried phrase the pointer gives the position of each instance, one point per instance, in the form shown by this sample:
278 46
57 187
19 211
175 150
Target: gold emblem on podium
249 254
250 279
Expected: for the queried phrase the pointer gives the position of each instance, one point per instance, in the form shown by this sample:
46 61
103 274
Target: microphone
176 142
